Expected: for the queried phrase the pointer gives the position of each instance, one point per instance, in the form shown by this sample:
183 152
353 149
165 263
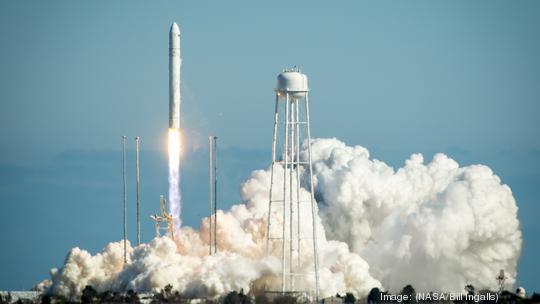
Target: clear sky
397 77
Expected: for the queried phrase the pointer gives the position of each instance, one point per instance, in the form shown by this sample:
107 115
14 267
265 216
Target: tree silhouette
374 295
234 297
410 293
469 289
89 295
167 291
132 297
46 299
349 298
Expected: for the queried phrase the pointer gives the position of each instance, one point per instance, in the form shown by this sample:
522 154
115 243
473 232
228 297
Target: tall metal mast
213 180
215 192
210 193
125 195
137 142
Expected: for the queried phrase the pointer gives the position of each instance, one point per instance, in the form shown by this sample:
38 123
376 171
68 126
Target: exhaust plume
175 196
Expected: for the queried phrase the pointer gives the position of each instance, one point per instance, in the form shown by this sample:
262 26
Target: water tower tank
292 82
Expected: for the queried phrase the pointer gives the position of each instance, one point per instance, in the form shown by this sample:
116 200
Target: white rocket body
174 77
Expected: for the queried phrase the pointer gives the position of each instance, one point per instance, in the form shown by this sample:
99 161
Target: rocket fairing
174 77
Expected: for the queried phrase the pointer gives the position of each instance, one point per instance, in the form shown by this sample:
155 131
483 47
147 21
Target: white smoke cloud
436 226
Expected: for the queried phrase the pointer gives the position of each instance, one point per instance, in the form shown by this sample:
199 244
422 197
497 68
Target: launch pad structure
292 94
164 218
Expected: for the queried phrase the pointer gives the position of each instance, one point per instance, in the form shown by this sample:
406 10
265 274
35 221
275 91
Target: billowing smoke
436 226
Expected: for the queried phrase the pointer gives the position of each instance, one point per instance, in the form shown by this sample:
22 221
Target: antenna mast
137 142
125 194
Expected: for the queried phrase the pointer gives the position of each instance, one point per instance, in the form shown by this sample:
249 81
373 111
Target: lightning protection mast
125 194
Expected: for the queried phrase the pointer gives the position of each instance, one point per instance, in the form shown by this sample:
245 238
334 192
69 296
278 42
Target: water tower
287 198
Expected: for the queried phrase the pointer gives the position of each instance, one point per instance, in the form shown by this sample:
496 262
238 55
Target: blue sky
459 77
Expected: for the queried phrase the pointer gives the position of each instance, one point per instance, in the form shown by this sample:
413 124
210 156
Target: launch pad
163 221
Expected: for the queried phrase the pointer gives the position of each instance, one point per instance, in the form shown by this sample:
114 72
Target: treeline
168 295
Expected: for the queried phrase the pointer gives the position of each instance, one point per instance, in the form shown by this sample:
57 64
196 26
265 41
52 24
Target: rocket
174 77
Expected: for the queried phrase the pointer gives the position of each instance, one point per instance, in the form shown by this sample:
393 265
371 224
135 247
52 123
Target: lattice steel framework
290 131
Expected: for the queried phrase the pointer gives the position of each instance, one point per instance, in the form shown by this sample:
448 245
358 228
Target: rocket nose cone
175 29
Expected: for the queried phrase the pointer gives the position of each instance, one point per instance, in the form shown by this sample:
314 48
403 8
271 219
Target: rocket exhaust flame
175 197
